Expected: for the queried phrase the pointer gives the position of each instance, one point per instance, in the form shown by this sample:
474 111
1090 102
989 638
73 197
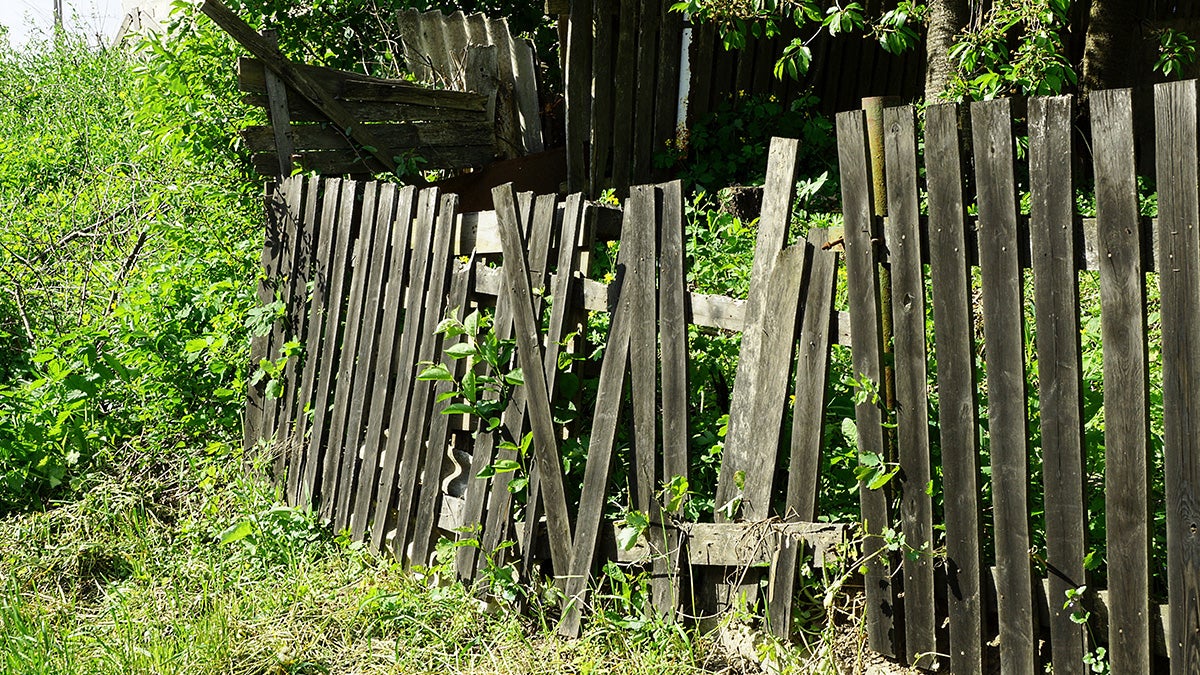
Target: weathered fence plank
577 74
562 307
300 491
603 51
429 498
648 23
866 355
808 422
912 404
605 419
414 430
1056 305
545 444
316 473
742 456
389 342
991 125
954 349
673 342
1179 282
624 88
405 360
1126 416
343 442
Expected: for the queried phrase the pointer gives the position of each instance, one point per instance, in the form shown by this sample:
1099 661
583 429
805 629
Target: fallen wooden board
346 86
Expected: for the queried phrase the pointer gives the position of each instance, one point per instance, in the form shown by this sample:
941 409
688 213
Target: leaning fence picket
386 396
405 360
414 430
316 474
343 441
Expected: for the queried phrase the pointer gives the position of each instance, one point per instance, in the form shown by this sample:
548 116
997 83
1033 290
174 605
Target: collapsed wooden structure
362 438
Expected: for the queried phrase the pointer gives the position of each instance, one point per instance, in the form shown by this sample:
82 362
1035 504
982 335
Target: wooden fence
363 439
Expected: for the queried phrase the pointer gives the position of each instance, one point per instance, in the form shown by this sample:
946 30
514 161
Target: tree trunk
947 20
1110 49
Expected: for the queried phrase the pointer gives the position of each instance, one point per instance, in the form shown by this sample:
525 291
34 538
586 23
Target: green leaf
515 377
436 372
627 538
461 350
459 409
237 531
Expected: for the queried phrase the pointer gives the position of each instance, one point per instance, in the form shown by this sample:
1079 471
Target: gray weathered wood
342 452
673 341
1056 303
649 19
283 207
254 426
954 347
369 360
303 309
808 422
499 506
353 162
624 93
1123 326
577 75
444 135
390 328
301 110
414 430
429 499
1179 283
643 348
666 104
912 404
315 474
991 125
561 293
405 364
348 87
742 455
860 234
545 443
538 226
277 112
315 345
525 80
297 79
301 493
603 52
604 430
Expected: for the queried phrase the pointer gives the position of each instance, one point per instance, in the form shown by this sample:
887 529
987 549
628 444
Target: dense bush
127 264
